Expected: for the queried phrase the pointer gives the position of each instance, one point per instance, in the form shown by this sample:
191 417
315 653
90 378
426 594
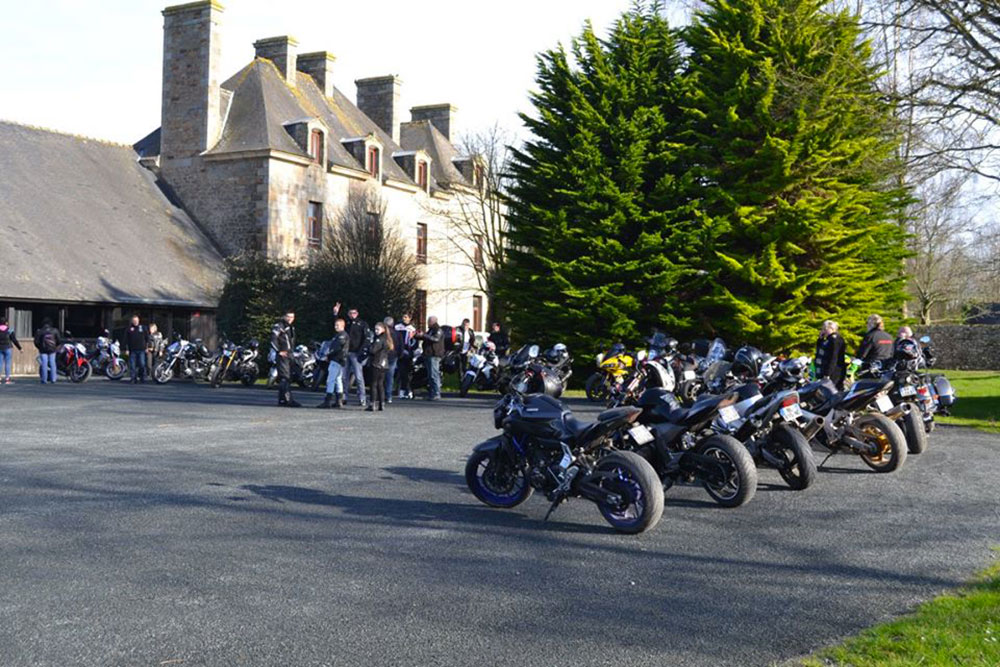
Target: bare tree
476 213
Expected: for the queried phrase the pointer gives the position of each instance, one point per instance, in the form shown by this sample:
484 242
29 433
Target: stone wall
964 346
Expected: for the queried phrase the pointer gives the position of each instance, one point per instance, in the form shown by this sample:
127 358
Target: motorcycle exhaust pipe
813 427
897 411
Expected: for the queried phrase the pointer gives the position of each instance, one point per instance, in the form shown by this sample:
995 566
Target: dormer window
316 146
422 175
374 160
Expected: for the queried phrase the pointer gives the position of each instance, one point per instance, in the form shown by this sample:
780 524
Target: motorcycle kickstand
826 459
552 508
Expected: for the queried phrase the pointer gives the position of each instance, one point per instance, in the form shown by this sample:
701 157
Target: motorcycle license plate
883 403
729 414
907 390
689 375
640 434
791 412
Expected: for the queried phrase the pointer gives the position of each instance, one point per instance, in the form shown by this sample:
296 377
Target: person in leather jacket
283 342
830 350
500 338
403 341
877 345
433 340
357 333
337 356
380 350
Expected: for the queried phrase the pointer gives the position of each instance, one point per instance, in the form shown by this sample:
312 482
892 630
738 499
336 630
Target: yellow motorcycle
612 369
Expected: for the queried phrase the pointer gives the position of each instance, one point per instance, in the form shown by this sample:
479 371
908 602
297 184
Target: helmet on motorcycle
616 349
490 346
253 344
556 353
907 349
658 341
793 368
747 362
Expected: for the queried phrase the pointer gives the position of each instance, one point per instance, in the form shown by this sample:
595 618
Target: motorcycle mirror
641 355
925 339
533 351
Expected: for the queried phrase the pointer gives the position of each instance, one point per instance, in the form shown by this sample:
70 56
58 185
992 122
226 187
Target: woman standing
8 341
381 348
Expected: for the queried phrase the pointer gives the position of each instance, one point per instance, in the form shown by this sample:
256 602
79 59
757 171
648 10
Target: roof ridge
64 133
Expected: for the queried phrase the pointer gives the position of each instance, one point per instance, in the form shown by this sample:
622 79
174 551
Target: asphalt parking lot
180 525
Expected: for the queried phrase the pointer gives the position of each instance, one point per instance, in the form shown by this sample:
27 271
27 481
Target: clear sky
94 67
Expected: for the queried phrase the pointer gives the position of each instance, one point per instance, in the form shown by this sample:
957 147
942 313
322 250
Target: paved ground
184 526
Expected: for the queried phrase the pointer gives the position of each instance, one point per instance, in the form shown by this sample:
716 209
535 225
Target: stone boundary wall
964 346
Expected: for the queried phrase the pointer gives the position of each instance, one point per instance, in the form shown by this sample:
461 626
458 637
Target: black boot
341 401
380 406
327 402
371 407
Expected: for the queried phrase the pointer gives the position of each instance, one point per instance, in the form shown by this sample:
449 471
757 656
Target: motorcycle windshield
716 351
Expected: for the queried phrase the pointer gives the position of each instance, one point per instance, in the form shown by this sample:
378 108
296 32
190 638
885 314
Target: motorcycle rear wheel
740 483
913 430
634 479
493 484
789 444
884 433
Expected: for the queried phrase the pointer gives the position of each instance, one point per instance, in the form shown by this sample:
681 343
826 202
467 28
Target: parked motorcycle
235 363
106 357
71 360
303 367
544 447
184 359
482 371
612 369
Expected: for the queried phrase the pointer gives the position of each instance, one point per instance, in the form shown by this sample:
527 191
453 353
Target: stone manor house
92 232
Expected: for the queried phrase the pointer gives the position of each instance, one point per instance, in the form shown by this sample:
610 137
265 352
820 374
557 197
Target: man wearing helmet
830 354
877 344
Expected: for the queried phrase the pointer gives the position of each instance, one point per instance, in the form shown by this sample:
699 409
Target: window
314 225
421 243
477 313
477 256
374 156
316 145
422 175
420 309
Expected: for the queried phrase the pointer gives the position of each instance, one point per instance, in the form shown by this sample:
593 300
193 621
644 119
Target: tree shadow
427 475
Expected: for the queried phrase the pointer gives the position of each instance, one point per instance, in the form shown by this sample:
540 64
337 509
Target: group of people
388 347
877 345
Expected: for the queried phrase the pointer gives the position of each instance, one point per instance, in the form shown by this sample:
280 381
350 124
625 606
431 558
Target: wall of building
964 346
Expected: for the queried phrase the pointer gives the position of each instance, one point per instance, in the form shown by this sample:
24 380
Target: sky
94 68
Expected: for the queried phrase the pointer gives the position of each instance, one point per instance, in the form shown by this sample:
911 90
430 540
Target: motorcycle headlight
475 361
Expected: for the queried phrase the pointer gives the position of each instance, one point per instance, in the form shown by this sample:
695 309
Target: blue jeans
137 365
47 366
390 376
335 379
357 371
5 358
433 376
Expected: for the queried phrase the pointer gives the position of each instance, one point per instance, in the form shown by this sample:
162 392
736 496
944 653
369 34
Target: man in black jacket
877 344
499 338
47 341
357 334
137 340
283 342
830 354
337 356
433 351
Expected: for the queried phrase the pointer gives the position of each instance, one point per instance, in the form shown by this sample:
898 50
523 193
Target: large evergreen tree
788 153
592 243
742 192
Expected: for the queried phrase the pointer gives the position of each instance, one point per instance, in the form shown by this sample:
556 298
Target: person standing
466 341
153 348
357 334
402 339
8 341
433 340
390 372
47 341
877 344
337 358
381 349
137 340
500 338
830 349
283 342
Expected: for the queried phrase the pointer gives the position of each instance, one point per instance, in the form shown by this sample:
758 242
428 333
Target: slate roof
263 103
81 220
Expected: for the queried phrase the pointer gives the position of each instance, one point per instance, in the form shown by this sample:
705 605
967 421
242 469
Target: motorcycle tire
163 373
80 373
633 477
881 428
272 378
215 377
596 388
789 444
249 376
492 486
740 484
913 430
116 374
463 390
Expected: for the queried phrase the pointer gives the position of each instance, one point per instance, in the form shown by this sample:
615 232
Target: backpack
49 342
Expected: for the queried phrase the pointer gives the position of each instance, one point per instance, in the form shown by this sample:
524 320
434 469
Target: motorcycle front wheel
597 388
116 369
789 445
163 373
215 376
467 381
629 476
80 372
735 481
494 482
249 375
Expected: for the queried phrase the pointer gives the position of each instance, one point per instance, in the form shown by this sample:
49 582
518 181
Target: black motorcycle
544 447
235 363
684 449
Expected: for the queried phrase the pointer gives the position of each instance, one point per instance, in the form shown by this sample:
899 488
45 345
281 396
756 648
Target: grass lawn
978 403
960 628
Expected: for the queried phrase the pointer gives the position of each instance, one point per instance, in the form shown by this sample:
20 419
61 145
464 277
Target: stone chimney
191 114
282 52
318 65
378 98
441 116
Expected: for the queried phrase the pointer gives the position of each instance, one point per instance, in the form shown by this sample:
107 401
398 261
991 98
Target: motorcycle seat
583 432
